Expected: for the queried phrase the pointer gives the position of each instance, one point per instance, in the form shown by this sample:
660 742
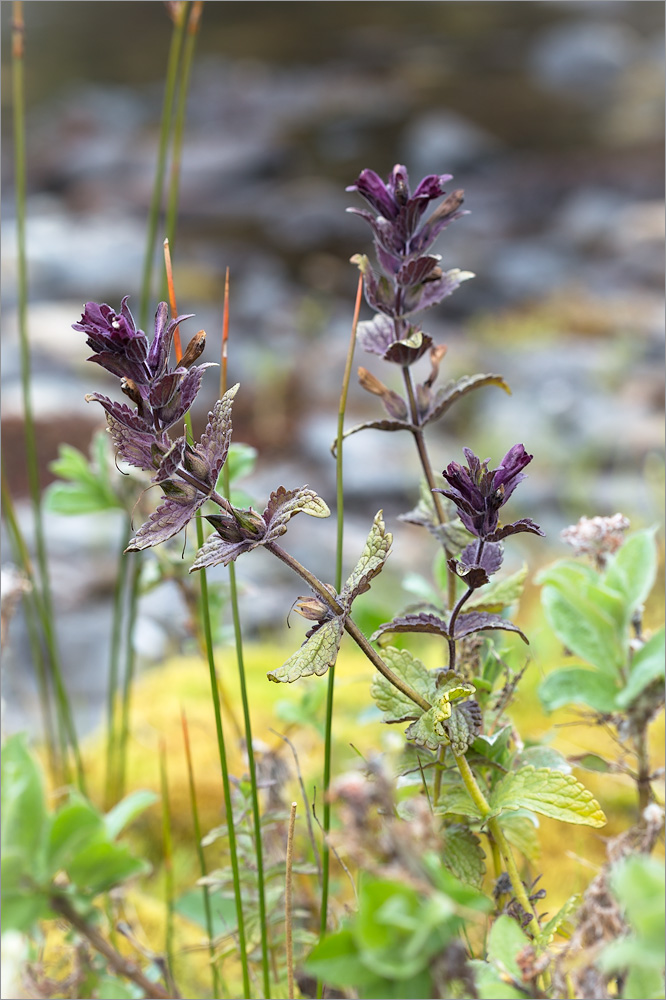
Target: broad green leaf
315 656
75 826
111 988
632 570
543 756
126 810
464 855
549 930
490 985
23 904
567 575
395 705
505 941
585 630
336 960
87 489
454 800
223 911
646 666
578 686
373 557
24 817
520 829
551 793
103 865
499 594
638 882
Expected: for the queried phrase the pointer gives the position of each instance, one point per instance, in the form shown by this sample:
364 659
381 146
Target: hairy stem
122 966
350 626
479 800
426 466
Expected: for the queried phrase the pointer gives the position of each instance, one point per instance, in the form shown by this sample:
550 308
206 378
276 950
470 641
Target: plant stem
167 854
452 622
340 512
158 183
495 829
643 777
200 855
119 964
119 593
426 466
179 123
238 636
44 602
130 659
287 903
350 626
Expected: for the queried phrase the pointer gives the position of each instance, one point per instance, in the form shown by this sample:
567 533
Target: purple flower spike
479 493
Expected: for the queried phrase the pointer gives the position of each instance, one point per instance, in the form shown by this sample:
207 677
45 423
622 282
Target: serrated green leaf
647 666
543 756
551 793
464 855
585 629
455 800
463 725
395 705
336 960
427 731
373 557
495 747
315 656
126 810
633 568
549 930
578 686
520 829
505 941
499 594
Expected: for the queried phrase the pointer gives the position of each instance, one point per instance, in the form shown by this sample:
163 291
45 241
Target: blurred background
550 116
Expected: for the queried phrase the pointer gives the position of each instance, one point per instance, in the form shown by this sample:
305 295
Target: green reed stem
233 849
217 985
160 170
22 558
43 598
130 661
179 123
340 503
119 594
167 854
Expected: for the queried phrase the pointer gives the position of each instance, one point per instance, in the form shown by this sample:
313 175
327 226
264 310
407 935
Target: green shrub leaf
463 855
585 629
647 666
633 568
551 793
578 686
395 705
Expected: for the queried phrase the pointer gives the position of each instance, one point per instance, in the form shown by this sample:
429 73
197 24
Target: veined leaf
633 568
578 686
584 628
455 800
647 666
373 557
549 930
481 621
505 941
395 705
520 829
423 622
450 394
551 793
315 656
428 731
500 593
464 725
463 855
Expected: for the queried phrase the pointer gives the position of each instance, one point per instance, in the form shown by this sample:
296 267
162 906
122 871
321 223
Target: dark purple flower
399 213
479 492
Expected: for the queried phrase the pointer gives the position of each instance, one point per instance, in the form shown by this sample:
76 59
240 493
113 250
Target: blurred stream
549 114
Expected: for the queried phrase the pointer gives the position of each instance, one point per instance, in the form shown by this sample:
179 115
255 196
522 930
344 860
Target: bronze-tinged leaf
216 439
376 425
165 522
283 504
482 621
450 394
421 622
315 656
373 557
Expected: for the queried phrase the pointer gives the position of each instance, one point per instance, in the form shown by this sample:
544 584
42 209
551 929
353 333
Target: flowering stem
350 626
481 803
452 622
426 466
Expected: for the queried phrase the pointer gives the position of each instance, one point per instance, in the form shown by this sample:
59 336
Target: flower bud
194 349
394 404
226 527
196 464
179 492
437 352
448 206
